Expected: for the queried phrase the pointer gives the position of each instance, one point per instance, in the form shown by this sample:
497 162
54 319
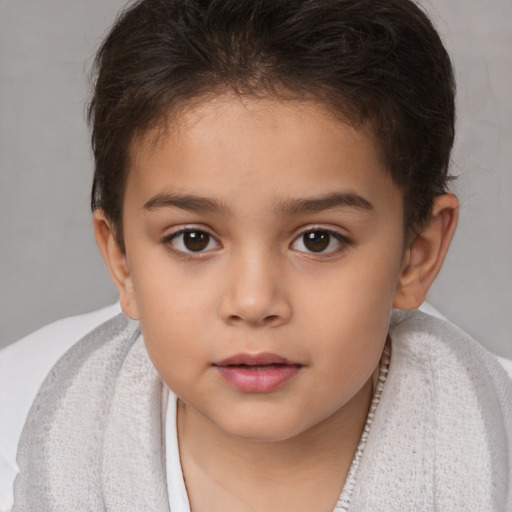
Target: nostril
234 319
267 320
270 319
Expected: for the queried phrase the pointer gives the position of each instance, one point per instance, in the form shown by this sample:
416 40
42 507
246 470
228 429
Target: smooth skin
263 226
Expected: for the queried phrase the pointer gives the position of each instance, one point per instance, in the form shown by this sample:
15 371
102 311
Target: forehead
229 147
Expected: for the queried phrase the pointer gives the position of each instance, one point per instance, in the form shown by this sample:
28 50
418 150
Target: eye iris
316 241
196 240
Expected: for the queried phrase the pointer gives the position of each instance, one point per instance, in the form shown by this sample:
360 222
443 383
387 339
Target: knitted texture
350 483
93 438
440 438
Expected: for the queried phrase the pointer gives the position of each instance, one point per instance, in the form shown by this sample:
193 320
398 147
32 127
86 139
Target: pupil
196 240
317 241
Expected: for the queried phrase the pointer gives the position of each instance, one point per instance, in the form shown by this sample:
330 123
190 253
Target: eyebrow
291 207
287 207
185 202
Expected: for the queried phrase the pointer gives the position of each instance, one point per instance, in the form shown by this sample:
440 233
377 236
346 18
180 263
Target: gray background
49 266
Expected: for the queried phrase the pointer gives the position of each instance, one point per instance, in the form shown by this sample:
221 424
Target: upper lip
263 359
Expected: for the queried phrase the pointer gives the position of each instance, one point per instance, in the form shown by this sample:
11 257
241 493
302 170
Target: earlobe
116 262
425 255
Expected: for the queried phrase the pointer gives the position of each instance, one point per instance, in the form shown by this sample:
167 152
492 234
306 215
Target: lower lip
258 379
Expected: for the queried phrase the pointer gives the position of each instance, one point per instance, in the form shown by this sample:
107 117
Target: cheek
174 346
173 312
348 316
346 355
373 280
357 297
349 347
167 291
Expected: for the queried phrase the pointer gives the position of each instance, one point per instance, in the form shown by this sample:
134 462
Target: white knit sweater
440 439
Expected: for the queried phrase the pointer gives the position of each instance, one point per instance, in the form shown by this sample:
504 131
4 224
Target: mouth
257 373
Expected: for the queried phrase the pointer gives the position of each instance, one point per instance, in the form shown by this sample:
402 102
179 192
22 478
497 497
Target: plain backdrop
49 265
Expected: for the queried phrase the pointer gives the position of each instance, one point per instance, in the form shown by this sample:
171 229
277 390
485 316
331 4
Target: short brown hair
374 62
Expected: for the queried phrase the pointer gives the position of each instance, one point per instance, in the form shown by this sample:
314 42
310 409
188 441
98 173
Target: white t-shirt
24 366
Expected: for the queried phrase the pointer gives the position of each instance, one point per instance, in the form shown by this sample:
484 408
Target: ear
425 255
116 262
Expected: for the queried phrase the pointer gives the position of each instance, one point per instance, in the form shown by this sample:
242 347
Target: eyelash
342 241
186 252
169 241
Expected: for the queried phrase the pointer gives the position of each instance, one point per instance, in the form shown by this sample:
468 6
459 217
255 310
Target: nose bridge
256 292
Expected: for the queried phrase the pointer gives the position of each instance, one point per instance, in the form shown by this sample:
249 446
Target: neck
301 471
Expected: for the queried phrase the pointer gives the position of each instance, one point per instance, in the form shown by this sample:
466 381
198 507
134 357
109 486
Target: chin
263 430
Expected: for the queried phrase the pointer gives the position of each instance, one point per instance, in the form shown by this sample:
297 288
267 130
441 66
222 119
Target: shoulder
430 310
430 320
444 414
23 367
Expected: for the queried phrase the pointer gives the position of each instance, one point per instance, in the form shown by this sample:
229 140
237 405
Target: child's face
262 232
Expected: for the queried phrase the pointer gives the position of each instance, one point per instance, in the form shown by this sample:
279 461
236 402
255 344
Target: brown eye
320 241
192 241
316 241
196 240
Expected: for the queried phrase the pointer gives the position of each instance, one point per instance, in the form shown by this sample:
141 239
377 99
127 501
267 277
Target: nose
255 294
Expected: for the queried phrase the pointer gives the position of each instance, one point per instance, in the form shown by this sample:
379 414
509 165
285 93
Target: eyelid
343 240
188 254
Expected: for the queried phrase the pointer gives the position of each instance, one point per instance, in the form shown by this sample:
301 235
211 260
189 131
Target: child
270 182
